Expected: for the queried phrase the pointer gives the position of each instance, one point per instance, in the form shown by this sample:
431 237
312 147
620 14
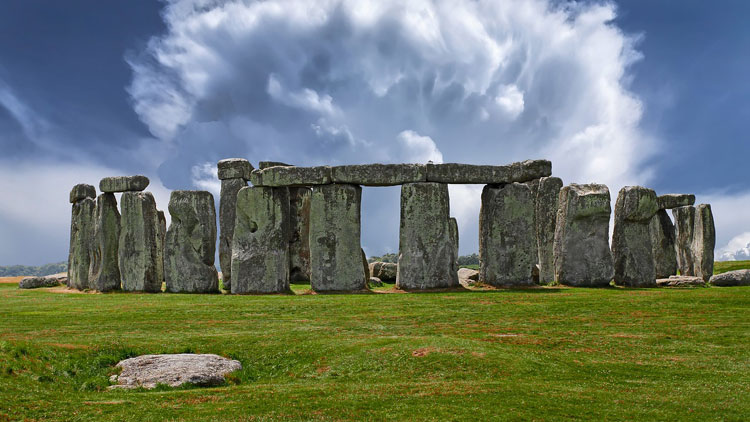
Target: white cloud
419 149
510 100
737 249
206 177
731 221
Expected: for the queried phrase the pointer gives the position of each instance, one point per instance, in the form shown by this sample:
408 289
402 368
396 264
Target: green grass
541 354
724 266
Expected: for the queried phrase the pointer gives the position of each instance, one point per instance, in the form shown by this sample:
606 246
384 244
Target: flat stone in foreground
37 282
123 184
379 174
82 191
731 278
148 371
291 176
488 175
680 281
234 168
674 200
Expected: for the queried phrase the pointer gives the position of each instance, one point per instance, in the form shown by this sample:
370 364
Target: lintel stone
279 176
489 175
675 200
123 184
379 174
234 168
82 191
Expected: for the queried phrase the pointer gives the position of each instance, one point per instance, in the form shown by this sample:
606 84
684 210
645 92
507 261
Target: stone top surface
636 203
675 200
266 164
234 168
148 371
585 201
82 191
123 184
398 174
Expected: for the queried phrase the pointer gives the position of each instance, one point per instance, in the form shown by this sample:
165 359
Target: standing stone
684 224
546 203
426 257
104 271
81 241
631 241
82 191
662 245
534 186
581 249
161 238
453 226
234 168
227 215
260 246
138 250
335 257
507 241
190 245
299 241
704 241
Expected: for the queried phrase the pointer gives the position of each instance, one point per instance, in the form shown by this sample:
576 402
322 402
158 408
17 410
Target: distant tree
42 270
472 259
389 257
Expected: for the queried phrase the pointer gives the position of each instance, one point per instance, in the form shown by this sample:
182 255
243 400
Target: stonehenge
303 224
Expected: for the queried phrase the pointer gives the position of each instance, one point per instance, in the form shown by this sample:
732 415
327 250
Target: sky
623 93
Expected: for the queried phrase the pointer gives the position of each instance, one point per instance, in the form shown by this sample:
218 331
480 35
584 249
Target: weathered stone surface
731 278
662 245
426 258
684 224
704 241
375 282
546 203
190 245
483 174
299 241
379 174
581 249
104 270
675 200
227 215
534 186
123 184
468 274
161 238
453 226
631 241
366 267
266 164
386 271
81 243
260 247
234 168
335 258
37 282
291 176
680 281
507 240
82 191
138 251
148 371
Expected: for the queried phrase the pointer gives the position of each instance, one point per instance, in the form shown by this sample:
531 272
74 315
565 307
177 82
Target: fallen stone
81 243
704 241
680 281
37 282
335 257
299 241
123 184
138 249
675 200
662 234
266 164
507 240
148 371
379 174
190 244
684 225
386 271
291 176
468 274
484 174
234 168
631 240
82 191
581 249
227 215
547 199
104 269
260 247
731 278
375 282
62 278
426 258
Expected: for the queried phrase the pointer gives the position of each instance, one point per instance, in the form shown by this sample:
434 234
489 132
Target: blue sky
630 92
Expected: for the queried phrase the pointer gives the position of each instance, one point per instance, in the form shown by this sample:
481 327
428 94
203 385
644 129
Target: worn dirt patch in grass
11 280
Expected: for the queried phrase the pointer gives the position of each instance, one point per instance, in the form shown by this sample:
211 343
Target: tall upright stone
82 224
631 241
299 241
161 239
138 250
534 186
663 244
426 251
547 199
104 271
704 241
581 249
190 244
684 225
507 235
260 246
234 174
335 256
453 226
